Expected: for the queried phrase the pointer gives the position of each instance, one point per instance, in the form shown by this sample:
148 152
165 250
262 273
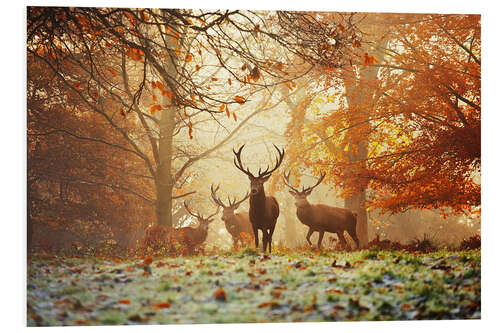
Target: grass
283 287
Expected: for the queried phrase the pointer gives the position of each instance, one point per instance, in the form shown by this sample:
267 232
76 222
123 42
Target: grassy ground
246 287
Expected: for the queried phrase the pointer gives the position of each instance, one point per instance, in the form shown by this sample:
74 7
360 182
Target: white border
13 217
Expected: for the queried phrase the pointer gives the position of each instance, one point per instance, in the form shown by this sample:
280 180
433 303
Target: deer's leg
270 239
320 239
308 236
342 239
352 233
256 234
264 240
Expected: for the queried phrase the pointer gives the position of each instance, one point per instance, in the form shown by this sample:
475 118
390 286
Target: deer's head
227 210
301 196
257 182
202 221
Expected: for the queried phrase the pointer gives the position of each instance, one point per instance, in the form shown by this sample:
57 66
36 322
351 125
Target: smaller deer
191 237
322 218
236 223
156 237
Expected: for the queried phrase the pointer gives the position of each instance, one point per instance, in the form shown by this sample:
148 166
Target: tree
405 124
180 64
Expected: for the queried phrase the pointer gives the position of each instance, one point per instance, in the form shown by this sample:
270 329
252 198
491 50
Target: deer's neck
201 233
258 203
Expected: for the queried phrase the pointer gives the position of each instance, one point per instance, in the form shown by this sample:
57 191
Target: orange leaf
234 116
220 295
148 259
124 301
229 81
214 79
111 71
240 99
222 107
155 108
154 98
227 112
189 57
160 85
198 67
267 304
161 305
77 86
177 52
168 93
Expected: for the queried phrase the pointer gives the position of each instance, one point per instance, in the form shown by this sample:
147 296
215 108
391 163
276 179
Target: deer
236 223
156 237
264 210
322 218
191 237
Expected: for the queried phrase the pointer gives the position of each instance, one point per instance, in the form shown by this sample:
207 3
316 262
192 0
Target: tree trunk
357 203
165 181
361 97
164 173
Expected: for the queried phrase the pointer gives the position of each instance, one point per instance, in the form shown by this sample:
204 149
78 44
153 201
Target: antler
304 190
262 174
215 198
238 164
279 159
309 189
216 212
191 213
230 204
287 182
198 216
237 203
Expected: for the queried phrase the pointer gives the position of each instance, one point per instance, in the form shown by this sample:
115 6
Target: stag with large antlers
322 218
237 224
191 237
264 210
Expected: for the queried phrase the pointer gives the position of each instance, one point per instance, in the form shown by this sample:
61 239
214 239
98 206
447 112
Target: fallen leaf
220 295
162 305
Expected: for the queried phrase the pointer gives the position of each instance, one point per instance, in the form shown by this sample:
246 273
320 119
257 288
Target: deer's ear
291 192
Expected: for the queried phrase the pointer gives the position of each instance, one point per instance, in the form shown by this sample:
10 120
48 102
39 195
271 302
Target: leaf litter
243 287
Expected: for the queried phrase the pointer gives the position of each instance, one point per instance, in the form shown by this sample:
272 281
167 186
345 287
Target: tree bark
360 96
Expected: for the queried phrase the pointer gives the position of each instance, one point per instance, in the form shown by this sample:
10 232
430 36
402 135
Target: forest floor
247 287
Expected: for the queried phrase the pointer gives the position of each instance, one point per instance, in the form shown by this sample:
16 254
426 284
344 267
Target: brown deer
236 223
191 237
322 218
264 210
156 237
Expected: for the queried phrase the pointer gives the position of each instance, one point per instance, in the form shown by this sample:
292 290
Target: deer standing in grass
322 218
236 224
191 237
264 210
